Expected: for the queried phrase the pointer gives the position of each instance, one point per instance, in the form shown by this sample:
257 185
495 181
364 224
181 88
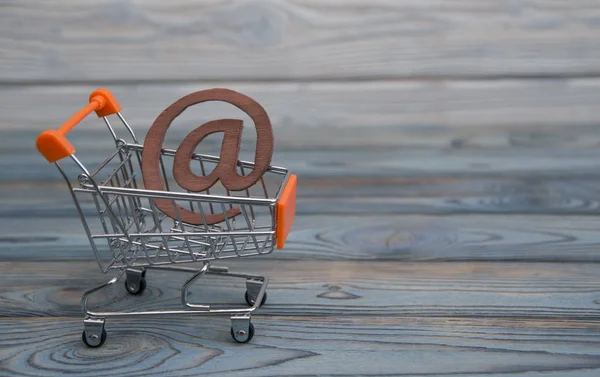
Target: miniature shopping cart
127 232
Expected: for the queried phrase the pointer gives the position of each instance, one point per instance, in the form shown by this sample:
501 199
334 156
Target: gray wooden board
324 164
357 237
41 201
366 218
302 39
25 164
402 181
324 288
439 147
306 346
428 104
92 136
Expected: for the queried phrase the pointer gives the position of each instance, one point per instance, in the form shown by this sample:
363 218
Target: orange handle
53 145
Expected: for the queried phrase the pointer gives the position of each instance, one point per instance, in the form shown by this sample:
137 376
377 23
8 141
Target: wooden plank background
72 41
447 154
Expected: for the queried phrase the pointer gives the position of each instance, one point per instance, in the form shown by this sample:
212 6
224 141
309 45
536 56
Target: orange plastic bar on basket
286 211
53 144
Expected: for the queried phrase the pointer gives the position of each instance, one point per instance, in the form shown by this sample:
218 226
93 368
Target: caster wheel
243 338
102 339
251 302
135 289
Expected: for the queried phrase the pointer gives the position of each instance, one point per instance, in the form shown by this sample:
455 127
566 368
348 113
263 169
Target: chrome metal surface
128 127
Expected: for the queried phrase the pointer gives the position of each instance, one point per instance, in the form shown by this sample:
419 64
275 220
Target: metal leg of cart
242 329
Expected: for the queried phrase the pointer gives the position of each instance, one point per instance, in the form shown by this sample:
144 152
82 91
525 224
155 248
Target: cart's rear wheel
135 289
241 336
251 301
102 339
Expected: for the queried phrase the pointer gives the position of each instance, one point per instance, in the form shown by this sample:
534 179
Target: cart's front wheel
135 280
93 342
242 336
135 288
251 301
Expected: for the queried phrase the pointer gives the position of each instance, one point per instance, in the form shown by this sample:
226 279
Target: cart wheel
102 339
136 289
251 302
243 338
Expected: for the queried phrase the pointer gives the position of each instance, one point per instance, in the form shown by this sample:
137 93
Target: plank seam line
303 80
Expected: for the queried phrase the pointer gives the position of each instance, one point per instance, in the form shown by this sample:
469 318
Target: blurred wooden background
448 160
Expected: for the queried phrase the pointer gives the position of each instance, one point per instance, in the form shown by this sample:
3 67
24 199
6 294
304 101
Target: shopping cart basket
130 234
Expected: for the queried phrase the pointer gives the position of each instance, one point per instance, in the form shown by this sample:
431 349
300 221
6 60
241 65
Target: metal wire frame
127 232
137 234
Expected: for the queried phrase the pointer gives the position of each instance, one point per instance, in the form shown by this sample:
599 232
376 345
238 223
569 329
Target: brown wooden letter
226 168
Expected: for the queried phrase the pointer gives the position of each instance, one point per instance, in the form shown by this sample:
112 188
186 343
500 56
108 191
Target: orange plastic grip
286 211
53 144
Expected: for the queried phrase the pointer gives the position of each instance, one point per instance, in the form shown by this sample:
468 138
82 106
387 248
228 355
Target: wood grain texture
52 235
326 288
398 181
300 39
308 107
535 216
449 181
306 346
394 198
391 164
